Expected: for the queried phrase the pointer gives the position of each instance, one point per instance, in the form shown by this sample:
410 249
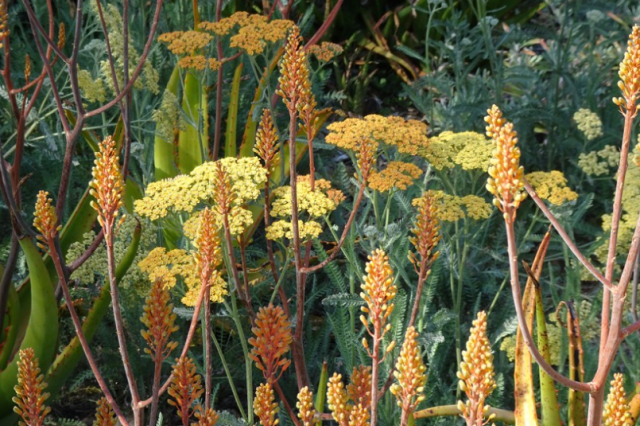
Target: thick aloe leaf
548 394
42 330
67 360
163 150
192 141
634 405
12 327
230 145
577 411
526 414
249 136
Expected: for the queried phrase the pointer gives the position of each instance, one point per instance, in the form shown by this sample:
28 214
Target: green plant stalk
230 147
245 351
12 326
285 268
223 359
163 151
321 393
190 140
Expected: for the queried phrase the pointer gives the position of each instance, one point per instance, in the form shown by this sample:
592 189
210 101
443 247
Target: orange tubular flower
616 409
337 400
185 388
506 181
4 22
104 414
411 376
224 194
294 73
45 220
265 406
306 410
159 319
359 416
359 390
107 186
629 73
271 342
477 378
30 395
209 255
266 146
366 157
208 417
426 233
378 291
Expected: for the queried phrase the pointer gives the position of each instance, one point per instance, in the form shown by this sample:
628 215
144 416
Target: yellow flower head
476 375
378 292
408 136
469 150
598 163
4 22
506 176
46 220
629 73
451 208
92 89
410 374
337 400
616 409
325 51
588 123
398 174
551 186
315 203
185 42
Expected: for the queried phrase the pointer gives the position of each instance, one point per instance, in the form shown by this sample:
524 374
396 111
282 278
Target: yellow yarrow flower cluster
168 266
325 51
184 192
589 123
185 42
397 174
254 31
92 89
551 186
554 336
167 117
314 204
408 136
451 208
469 150
598 163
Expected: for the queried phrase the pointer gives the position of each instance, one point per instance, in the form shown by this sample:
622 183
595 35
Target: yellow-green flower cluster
184 192
397 174
185 42
253 33
469 150
551 186
554 334
167 117
169 265
149 77
408 136
92 89
325 51
598 163
313 203
588 123
451 208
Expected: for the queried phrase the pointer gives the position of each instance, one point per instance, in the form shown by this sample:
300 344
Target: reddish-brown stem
343 237
234 270
117 317
526 334
218 129
287 406
155 390
37 28
81 337
615 223
375 364
325 25
245 272
208 385
565 237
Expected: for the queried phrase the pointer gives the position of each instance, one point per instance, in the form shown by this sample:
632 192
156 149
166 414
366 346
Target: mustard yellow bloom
469 150
410 375
616 409
589 123
551 186
307 230
316 203
185 42
397 174
325 51
598 163
92 89
451 208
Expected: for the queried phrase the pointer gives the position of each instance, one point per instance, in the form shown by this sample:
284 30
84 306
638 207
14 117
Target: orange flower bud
272 341
30 395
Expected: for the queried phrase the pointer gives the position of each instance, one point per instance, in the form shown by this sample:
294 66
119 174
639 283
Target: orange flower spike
30 395
366 158
185 388
104 414
4 22
410 376
107 186
266 146
426 233
208 256
62 36
629 73
224 194
159 319
265 406
293 71
272 341
378 291
306 410
27 67
337 400
208 417
476 375
506 176
45 218
616 409
359 416
359 390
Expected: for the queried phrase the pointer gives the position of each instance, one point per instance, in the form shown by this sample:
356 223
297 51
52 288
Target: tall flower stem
225 366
